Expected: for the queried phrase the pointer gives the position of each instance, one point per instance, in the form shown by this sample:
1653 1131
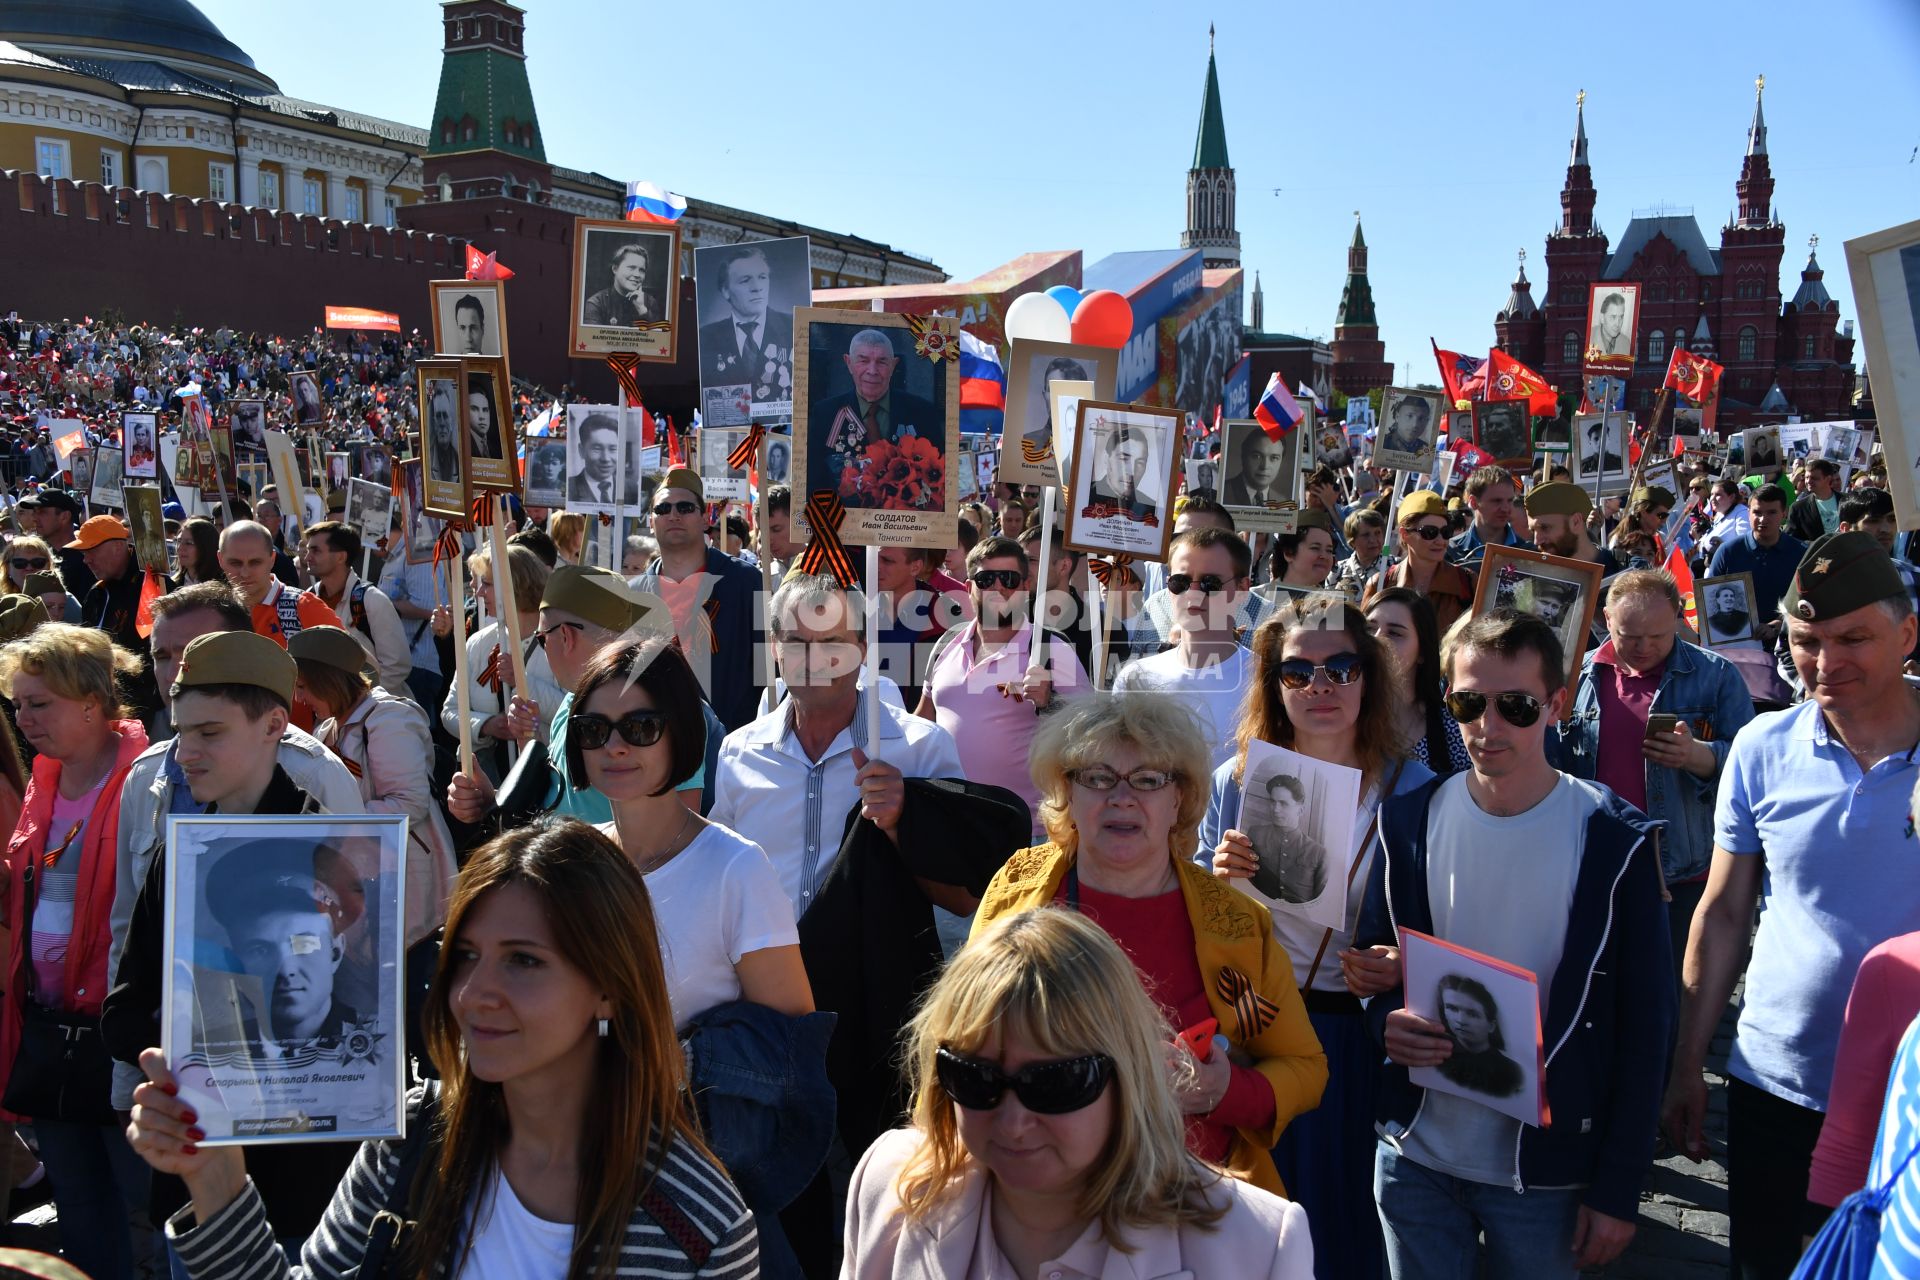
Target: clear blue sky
991 129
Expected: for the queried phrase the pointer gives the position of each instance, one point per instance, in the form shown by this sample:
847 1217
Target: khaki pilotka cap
237 657
1558 498
20 614
1841 572
603 598
331 646
1652 495
1421 502
43 584
685 478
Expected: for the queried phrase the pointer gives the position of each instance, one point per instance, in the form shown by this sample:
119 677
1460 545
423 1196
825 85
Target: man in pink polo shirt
983 685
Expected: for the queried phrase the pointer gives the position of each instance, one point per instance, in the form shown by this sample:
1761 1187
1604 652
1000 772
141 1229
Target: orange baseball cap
96 530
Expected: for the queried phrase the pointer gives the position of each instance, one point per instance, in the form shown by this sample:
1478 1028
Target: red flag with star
1508 379
486 266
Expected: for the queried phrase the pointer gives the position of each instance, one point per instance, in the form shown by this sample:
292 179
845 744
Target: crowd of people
737 949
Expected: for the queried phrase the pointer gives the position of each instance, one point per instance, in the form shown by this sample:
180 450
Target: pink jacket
1262 1237
86 963
1885 998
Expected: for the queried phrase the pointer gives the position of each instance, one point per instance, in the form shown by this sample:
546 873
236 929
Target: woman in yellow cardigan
1123 784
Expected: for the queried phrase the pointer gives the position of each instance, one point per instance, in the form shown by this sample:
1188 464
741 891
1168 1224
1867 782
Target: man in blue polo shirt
1813 803
1768 554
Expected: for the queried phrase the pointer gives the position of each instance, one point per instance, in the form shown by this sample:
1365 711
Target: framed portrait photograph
284 1016
304 386
140 433
547 473
1884 267
1561 593
489 423
1260 477
966 473
80 469
1600 451
1834 441
184 467
776 466
1125 458
370 512
626 289
288 478
373 462
248 421
469 317
595 448
1612 312
720 481
148 525
223 457
643 464
1064 395
1727 613
1299 813
339 471
1503 429
448 484
422 529
1029 441
876 420
104 488
1459 428
1761 450
1491 1010
745 298
1409 422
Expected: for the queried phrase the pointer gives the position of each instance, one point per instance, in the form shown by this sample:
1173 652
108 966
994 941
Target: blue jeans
100 1190
1433 1223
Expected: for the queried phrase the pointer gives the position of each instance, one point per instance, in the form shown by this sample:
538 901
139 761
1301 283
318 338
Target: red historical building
1783 358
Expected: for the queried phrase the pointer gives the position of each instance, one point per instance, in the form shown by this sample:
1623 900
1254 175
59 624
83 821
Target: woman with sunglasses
561 1144
1324 687
637 735
1044 1137
1422 566
1402 619
33 569
384 741
1123 781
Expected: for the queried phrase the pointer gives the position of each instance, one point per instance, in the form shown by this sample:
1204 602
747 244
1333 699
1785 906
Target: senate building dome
170 32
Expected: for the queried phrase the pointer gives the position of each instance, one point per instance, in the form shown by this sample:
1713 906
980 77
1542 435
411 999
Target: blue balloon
1067 296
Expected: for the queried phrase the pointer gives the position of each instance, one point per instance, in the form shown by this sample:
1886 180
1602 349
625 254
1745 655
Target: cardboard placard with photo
284 460
422 529
719 479
308 407
1260 477
1125 460
876 422
1613 313
745 295
104 488
488 423
148 525
247 419
1030 443
1728 617
1760 450
1410 424
1600 452
1491 1011
547 473
1299 815
369 512
1560 592
140 433
448 483
1063 399
469 318
595 449
1503 430
626 289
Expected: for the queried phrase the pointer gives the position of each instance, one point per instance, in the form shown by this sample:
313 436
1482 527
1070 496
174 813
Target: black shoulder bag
393 1221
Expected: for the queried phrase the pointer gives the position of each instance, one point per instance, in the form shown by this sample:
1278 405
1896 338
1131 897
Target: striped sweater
238 1244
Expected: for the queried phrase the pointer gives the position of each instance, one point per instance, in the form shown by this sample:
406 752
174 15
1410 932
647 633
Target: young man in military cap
711 597
1814 799
231 701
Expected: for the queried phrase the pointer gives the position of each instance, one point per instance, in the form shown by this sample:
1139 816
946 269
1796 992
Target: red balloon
1103 319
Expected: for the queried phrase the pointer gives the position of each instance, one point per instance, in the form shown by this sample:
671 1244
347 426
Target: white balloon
1034 317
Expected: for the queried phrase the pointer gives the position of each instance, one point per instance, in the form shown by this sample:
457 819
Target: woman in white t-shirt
1324 687
727 930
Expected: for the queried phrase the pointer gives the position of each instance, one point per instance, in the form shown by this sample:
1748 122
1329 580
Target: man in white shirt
329 551
787 780
1207 580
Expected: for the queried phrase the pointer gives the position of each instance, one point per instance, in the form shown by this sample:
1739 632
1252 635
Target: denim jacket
1705 691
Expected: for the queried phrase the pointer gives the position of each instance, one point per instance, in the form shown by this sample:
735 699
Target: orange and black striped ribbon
825 514
491 675
1103 570
1254 1011
1035 453
748 449
626 367
712 608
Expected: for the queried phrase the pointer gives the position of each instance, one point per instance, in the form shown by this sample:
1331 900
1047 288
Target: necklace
655 861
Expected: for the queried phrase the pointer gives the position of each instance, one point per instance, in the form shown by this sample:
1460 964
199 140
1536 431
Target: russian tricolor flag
1278 412
646 202
983 386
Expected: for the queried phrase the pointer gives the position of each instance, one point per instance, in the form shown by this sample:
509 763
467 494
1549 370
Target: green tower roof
1210 148
490 87
1356 299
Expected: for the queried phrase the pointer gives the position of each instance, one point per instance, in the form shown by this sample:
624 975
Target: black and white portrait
746 296
103 489
1030 442
283 1011
1726 605
447 485
1490 1011
1409 422
1257 470
422 528
1600 440
1503 430
469 317
140 432
779 462
547 473
489 423
1611 310
373 462
148 526
1124 460
307 404
1561 593
370 510
625 288
1836 441
596 473
249 420
80 468
719 478
1761 450
339 468
1298 813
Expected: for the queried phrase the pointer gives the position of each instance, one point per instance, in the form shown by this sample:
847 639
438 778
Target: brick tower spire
1210 186
1359 357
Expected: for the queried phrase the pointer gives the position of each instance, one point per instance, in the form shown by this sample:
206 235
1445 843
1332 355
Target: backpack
1846 1245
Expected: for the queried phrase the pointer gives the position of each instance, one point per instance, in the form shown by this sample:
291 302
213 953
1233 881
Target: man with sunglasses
712 598
1207 667
983 686
1521 862
1490 494
1814 808
57 514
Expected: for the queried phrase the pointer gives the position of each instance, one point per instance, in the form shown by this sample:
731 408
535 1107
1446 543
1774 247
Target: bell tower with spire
1752 247
1576 255
1359 357
1210 188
